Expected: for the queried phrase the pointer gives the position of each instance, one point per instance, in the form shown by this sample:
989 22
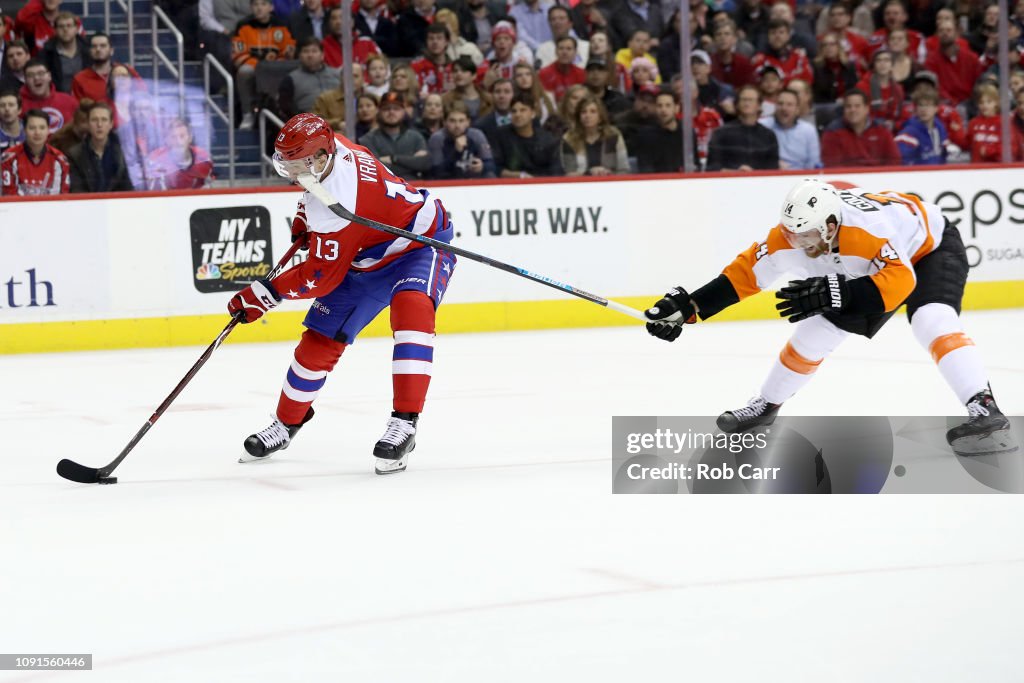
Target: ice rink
500 555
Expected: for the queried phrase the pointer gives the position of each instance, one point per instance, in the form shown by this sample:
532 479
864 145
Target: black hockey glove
813 296
669 313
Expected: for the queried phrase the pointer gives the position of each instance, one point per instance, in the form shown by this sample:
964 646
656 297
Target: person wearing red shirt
854 44
36 22
931 43
855 140
40 93
93 82
894 16
985 131
7 32
706 120
885 93
34 168
502 60
791 62
434 69
562 73
363 47
180 165
728 65
957 68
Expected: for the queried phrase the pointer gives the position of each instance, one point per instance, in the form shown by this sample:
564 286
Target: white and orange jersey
367 188
883 234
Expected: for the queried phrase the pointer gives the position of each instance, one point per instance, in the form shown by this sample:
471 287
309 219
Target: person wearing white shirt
532 21
560 23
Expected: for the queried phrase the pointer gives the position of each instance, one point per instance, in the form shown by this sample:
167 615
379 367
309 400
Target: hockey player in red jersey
353 272
864 254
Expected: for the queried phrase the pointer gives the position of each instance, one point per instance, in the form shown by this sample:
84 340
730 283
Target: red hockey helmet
299 142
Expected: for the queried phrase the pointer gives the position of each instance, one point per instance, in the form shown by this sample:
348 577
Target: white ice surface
501 554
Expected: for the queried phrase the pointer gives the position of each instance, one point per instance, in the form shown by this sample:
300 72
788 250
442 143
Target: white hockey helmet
807 210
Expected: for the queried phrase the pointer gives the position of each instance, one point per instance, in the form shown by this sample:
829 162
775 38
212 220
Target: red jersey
985 135
854 44
888 104
557 79
505 69
792 63
433 77
36 28
362 49
59 106
739 71
915 43
840 146
163 172
931 45
989 60
26 176
364 186
957 74
705 121
88 83
7 33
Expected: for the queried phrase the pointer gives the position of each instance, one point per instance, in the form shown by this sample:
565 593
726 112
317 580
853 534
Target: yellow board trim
199 330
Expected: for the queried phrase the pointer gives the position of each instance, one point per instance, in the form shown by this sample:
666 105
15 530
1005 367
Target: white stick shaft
314 187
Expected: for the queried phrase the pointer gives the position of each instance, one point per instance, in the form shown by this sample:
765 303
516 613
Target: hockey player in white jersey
863 254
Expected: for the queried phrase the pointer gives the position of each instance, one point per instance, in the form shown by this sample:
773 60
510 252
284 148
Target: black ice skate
276 437
986 432
757 412
398 441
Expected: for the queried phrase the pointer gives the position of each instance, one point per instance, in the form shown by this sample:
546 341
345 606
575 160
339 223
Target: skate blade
383 466
997 442
246 457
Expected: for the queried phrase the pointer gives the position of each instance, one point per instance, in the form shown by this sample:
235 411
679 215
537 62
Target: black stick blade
73 471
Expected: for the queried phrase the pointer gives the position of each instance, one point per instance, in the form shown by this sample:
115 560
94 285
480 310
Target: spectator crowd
481 88
75 119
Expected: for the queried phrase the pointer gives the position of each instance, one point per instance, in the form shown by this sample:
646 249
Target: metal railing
128 7
160 57
265 159
227 117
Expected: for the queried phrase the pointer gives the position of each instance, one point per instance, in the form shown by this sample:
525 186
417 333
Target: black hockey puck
108 480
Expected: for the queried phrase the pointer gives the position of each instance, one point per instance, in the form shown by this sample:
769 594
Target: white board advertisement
157 256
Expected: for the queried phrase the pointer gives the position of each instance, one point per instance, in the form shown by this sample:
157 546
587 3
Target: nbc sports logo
208 271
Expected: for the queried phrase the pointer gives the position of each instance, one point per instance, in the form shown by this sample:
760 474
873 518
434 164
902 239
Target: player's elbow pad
865 299
715 297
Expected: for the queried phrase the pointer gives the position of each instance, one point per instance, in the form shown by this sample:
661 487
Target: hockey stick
90 475
320 192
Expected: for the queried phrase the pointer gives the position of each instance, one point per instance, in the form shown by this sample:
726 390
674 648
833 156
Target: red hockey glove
299 233
253 301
